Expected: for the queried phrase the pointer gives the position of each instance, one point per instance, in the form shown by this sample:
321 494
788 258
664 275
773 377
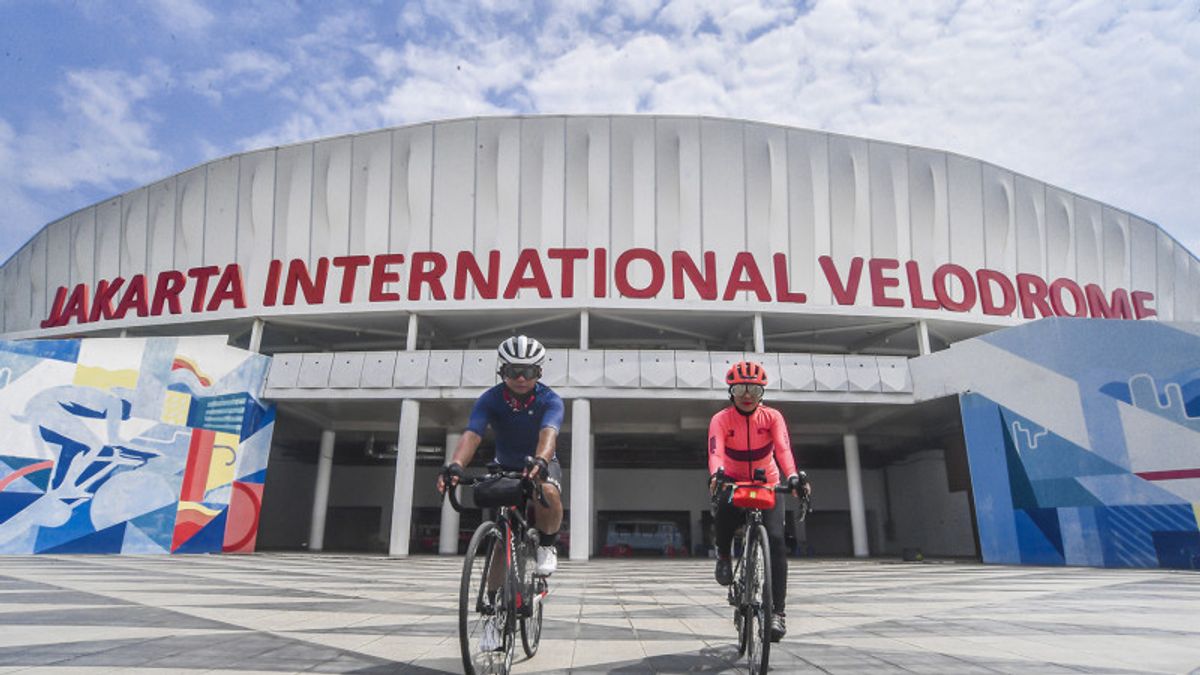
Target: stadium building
920 313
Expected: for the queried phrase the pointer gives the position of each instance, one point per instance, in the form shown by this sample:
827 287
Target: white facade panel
621 368
1060 227
1143 246
453 221
285 371
51 265
479 368
1183 300
850 202
81 249
656 368
808 212
965 200
543 186
796 372
256 218
894 376
221 212
1089 237
720 363
766 195
413 369
497 193
1116 249
632 197
723 193
347 370
677 189
314 371
692 370
890 208
108 240
554 368
331 199
586 223
378 369
1030 202
445 368
1164 297
190 195
135 207
929 208
862 374
293 202
585 368
370 194
770 361
830 372
999 220
412 188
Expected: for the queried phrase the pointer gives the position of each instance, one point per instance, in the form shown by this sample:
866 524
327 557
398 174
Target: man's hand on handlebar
535 467
451 474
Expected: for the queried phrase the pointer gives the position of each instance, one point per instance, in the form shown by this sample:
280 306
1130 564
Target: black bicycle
499 595
750 591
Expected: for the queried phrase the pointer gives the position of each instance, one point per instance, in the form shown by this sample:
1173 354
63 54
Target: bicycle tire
531 626
757 624
471 614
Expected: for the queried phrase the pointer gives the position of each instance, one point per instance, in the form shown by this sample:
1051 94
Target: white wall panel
965 188
285 371
999 220
256 218
543 176
633 199
621 368
890 229
677 188
293 202
719 364
331 199
497 194
1164 298
1193 284
81 249
796 372
692 370
479 368
160 229
830 372
19 289
454 190
135 208
1184 296
723 192
1143 252
51 264
221 213
656 368
862 374
412 368
585 368
1089 238
554 368
314 371
370 201
347 370
108 240
894 376
850 202
1116 249
769 361
587 190
766 196
1060 228
929 209
445 368
412 188
1030 203
808 212
378 368
190 195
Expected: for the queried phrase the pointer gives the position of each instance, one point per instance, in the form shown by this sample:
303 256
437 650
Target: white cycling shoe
547 561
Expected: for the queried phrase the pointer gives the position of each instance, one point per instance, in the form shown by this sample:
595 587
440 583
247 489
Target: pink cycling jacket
742 443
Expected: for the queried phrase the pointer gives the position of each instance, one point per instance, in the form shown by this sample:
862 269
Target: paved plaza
281 613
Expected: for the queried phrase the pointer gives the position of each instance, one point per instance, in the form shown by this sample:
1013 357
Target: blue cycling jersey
517 426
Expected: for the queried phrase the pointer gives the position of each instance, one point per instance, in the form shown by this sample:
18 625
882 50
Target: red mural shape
241 523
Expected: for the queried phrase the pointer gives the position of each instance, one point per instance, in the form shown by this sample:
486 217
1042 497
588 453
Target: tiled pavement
276 613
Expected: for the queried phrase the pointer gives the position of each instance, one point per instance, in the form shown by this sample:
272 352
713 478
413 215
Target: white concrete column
256 334
760 340
584 329
923 337
406 469
858 512
316 532
410 340
448 534
582 468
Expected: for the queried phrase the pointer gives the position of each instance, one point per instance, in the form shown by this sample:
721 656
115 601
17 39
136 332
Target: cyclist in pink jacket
742 438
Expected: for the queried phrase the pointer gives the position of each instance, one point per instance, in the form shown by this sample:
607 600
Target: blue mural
1106 474
150 445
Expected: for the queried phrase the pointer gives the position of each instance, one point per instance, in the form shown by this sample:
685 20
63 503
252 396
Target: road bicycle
499 586
750 591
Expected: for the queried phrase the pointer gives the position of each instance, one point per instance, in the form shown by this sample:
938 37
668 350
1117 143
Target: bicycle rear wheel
531 624
477 607
756 625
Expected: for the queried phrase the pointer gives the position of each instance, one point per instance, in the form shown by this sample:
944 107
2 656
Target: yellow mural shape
224 460
175 408
197 506
103 378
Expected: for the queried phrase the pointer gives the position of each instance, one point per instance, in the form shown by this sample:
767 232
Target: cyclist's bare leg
548 519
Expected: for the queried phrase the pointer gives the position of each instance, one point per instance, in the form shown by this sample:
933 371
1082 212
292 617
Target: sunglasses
739 390
513 371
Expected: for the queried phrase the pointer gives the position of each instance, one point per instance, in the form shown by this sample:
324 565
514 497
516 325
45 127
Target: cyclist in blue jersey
526 416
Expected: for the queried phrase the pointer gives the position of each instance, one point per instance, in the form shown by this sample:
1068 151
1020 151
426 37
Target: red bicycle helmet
746 372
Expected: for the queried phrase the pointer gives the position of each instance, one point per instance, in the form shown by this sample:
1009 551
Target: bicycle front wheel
483 612
757 601
531 624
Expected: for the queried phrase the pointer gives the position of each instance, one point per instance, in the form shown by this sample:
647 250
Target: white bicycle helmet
521 350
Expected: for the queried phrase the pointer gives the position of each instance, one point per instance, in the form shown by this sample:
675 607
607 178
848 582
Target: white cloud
185 16
240 72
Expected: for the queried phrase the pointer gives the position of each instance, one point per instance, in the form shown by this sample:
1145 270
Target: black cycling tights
729 517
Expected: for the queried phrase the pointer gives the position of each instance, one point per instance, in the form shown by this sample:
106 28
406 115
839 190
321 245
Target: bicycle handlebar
535 486
779 488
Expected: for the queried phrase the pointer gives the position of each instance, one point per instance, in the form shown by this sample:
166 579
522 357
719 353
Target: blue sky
1101 98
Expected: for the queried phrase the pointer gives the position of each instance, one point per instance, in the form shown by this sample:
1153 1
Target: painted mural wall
132 445
1084 445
